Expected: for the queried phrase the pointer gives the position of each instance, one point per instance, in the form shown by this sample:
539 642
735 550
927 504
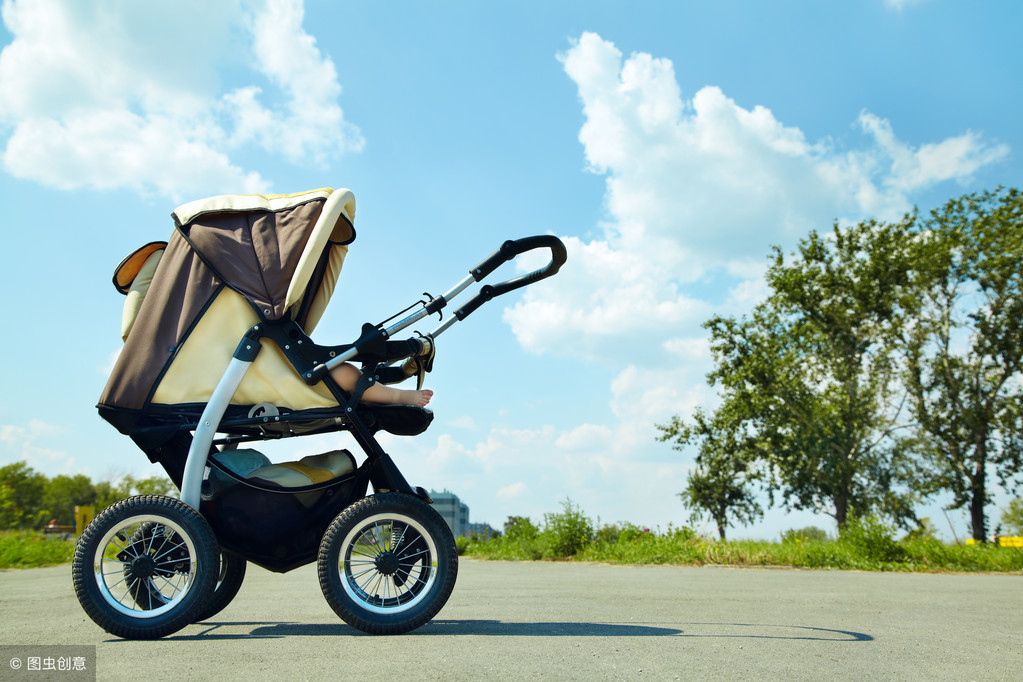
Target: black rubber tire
387 564
229 581
109 562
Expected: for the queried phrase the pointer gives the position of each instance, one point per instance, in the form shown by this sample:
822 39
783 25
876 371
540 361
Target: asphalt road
565 621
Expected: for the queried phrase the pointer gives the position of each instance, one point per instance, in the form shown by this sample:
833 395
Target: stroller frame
147 566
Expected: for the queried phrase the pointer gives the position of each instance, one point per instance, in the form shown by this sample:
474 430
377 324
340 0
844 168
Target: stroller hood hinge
249 346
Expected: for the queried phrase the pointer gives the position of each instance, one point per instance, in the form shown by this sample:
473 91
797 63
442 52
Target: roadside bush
520 528
808 534
1012 517
872 539
32 549
567 533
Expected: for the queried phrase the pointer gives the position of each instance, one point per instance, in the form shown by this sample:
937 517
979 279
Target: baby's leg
347 376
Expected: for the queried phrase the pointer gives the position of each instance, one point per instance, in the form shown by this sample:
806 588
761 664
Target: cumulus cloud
104 96
697 190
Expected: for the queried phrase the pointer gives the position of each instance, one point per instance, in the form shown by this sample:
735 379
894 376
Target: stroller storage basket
278 528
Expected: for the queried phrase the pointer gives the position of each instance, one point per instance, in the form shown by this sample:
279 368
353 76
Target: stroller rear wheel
229 581
387 564
145 567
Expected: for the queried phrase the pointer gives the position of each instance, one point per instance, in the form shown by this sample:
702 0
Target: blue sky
668 143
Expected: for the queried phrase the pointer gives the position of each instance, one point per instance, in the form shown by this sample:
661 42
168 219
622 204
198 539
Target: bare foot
418 398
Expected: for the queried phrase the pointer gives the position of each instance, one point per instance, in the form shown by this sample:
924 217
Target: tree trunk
841 507
721 519
978 490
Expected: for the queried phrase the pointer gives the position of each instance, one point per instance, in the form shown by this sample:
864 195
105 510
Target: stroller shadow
496 628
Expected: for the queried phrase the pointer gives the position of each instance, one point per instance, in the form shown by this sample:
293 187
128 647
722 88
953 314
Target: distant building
453 511
483 530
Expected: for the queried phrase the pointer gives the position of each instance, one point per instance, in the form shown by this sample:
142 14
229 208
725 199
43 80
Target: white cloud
699 189
118 95
28 443
513 491
583 464
954 158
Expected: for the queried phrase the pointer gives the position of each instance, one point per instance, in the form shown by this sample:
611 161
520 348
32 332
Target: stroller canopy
231 262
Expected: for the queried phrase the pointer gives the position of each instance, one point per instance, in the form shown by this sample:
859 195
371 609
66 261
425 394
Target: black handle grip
514 247
509 250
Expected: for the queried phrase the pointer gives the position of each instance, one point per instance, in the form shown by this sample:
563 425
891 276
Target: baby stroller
217 355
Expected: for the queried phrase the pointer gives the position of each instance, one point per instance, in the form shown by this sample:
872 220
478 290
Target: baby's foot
418 398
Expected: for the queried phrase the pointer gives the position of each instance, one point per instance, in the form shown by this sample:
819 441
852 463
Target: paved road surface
568 621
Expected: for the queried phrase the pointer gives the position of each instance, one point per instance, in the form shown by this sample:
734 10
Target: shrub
808 534
567 533
1012 517
32 549
872 539
519 528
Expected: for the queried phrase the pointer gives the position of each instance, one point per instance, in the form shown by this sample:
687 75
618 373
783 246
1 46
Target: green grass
32 549
671 548
865 545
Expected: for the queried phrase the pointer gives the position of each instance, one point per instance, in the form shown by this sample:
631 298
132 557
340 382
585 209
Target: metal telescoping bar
406 322
202 440
415 317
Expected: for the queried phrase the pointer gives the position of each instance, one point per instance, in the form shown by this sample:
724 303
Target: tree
719 486
108 492
1012 517
29 499
810 378
63 493
21 496
520 528
966 352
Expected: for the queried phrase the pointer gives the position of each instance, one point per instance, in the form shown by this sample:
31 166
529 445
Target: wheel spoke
365 550
118 561
175 589
356 576
158 552
417 554
160 555
115 584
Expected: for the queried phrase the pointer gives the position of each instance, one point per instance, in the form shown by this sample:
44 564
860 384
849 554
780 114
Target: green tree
966 352
1012 517
720 486
63 493
810 378
108 492
21 497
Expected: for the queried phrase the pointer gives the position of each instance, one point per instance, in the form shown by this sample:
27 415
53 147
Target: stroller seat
257 467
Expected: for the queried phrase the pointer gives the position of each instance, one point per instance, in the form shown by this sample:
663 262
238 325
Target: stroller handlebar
371 341
508 251
514 247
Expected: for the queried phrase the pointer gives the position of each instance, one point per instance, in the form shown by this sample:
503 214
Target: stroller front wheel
145 567
387 564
